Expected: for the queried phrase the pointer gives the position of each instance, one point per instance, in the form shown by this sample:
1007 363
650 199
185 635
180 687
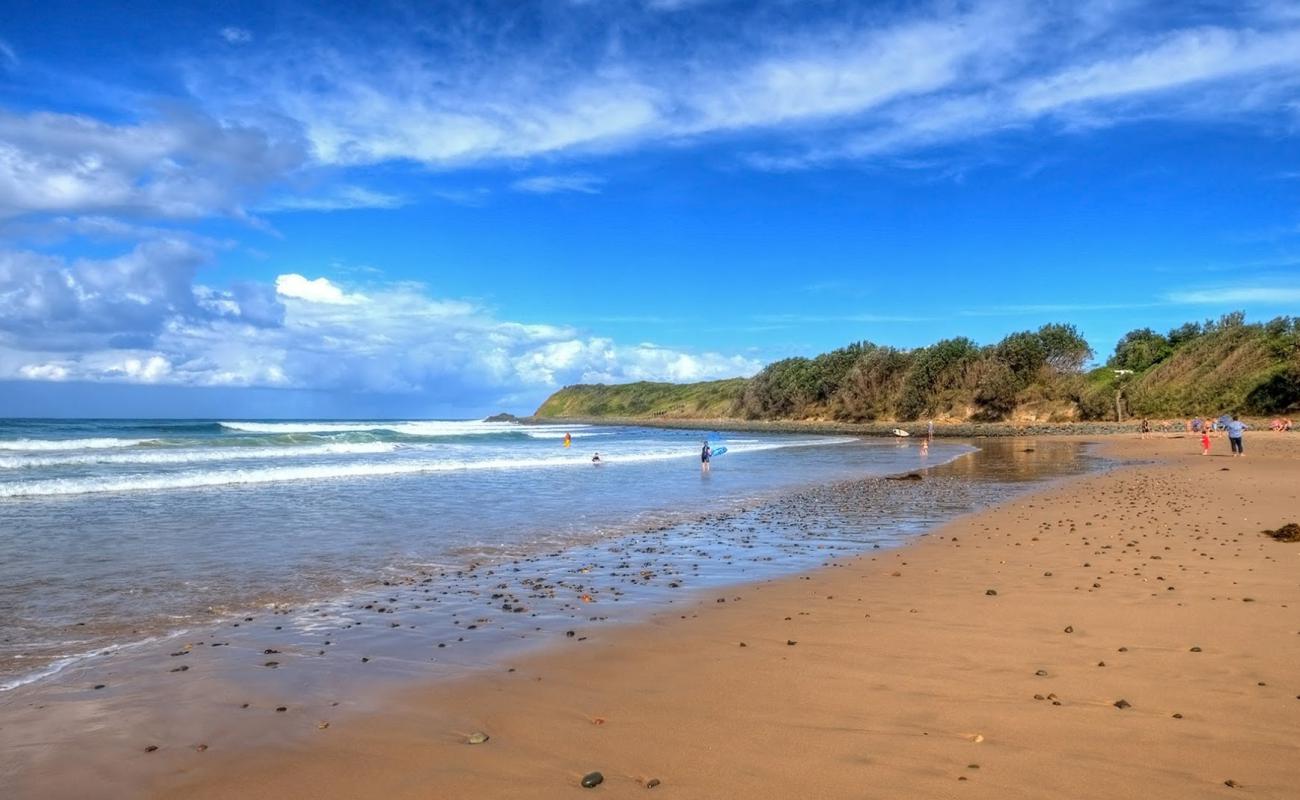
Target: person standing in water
595 460
705 455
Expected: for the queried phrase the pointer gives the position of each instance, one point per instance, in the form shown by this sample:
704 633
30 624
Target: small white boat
901 432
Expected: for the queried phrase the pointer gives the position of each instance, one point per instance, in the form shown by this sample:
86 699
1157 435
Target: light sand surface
898 674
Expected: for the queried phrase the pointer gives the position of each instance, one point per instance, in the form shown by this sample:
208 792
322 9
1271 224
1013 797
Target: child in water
595 460
705 455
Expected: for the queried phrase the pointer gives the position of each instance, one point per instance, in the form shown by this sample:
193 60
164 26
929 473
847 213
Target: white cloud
7 54
43 372
119 321
553 184
319 290
181 166
147 370
234 35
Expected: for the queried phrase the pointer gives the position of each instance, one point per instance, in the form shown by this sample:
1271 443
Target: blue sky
283 209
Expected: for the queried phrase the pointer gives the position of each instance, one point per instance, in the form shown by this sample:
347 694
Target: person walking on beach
1235 429
1145 428
1205 442
705 455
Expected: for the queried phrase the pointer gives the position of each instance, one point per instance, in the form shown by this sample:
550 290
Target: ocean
116 532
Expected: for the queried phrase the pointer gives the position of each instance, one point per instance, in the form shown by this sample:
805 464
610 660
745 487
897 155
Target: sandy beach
1128 634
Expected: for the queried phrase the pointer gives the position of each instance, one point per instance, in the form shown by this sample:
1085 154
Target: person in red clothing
1205 442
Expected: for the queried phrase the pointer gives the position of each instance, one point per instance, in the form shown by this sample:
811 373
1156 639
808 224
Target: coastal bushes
1196 368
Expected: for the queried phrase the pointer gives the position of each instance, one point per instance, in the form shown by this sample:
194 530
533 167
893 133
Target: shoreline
915 428
913 672
212 620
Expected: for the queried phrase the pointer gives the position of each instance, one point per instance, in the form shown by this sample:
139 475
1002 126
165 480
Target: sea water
120 531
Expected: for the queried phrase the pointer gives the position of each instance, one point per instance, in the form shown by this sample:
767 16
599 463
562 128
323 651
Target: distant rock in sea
502 417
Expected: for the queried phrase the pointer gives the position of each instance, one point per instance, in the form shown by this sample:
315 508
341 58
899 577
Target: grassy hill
706 400
1031 376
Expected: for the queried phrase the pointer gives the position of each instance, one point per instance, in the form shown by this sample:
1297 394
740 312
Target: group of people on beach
1229 424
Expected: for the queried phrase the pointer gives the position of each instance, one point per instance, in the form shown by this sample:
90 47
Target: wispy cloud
340 198
235 35
7 55
1263 295
1031 309
554 184
829 319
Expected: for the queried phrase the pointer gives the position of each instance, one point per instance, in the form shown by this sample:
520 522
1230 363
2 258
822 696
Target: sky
388 209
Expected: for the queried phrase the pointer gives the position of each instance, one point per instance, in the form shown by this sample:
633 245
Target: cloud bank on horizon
111 189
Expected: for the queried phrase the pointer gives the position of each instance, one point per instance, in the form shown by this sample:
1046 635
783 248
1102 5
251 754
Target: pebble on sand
477 738
592 779
1122 704
991 592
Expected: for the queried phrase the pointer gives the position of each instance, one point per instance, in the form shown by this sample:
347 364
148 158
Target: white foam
194 479
32 445
196 456
60 664
410 428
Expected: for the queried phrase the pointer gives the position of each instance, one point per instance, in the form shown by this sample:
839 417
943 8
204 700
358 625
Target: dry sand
983 661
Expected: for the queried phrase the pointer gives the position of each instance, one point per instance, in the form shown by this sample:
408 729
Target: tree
1139 350
1066 349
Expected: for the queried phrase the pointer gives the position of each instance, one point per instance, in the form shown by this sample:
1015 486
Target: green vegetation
1197 368
707 400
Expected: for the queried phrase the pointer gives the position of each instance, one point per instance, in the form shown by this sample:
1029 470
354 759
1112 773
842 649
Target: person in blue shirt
1235 429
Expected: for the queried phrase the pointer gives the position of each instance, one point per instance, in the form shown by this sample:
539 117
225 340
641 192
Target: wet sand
984 660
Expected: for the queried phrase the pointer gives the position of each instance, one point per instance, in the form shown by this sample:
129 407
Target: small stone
991 592
99 686
1178 716
1042 673
201 747
322 725
790 642
1231 783
1039 697
592 779
1069 629
281 709
652 783
180 669
1195 650
1122 704
477 738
